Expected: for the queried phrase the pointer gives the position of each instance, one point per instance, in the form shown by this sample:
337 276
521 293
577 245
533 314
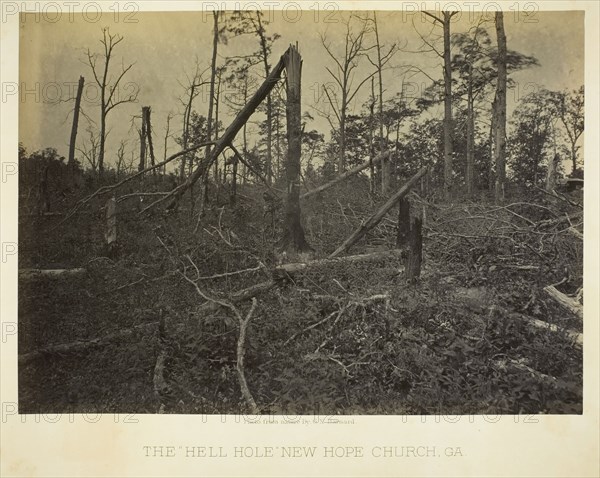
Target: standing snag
293 235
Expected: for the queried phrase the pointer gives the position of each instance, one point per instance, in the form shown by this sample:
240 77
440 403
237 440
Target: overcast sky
164 48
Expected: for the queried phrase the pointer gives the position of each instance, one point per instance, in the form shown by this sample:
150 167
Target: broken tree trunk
379 214
71 162
293 235
567 302
143 137
230 133
347 174
415 253
149 137
285 270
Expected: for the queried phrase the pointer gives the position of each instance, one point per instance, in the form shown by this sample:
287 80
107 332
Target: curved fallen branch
241 343
81 345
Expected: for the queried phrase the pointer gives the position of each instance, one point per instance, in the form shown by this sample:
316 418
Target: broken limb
342 177
106 189
567 302
229 134
379 214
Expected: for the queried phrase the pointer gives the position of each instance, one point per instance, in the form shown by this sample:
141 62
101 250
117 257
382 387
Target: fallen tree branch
252 170
342 177
51 273
575 233
293 267
567 302
106 189
239 296
312 326
379 214
229 134
540 324
81 345
241 347
234 273
241 352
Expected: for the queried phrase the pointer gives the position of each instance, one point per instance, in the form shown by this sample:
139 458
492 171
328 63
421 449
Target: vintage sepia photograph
301 211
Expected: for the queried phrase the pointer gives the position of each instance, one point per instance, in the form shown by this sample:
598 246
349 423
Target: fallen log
567 302
35 273
374 256
379 214
80 345
342 177
540 324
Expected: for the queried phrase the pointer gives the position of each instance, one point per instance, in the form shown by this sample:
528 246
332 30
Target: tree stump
415 252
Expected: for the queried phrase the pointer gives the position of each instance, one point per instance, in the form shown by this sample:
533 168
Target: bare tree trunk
186 133
470 136
265 58
102 146
500 136
342 157
293 236
216 128
149 136
143 138
551 175
75 125
492 139
448 147
384 164
371 138
164 169
213 75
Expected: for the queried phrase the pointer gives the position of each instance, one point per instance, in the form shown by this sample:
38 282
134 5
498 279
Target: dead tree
378 215
71 162
293 236
143 137
500 113
146 113
109 98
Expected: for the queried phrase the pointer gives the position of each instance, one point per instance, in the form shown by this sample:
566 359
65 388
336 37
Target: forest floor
337 339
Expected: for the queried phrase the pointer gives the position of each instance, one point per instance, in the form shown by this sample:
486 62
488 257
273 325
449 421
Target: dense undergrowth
457 341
